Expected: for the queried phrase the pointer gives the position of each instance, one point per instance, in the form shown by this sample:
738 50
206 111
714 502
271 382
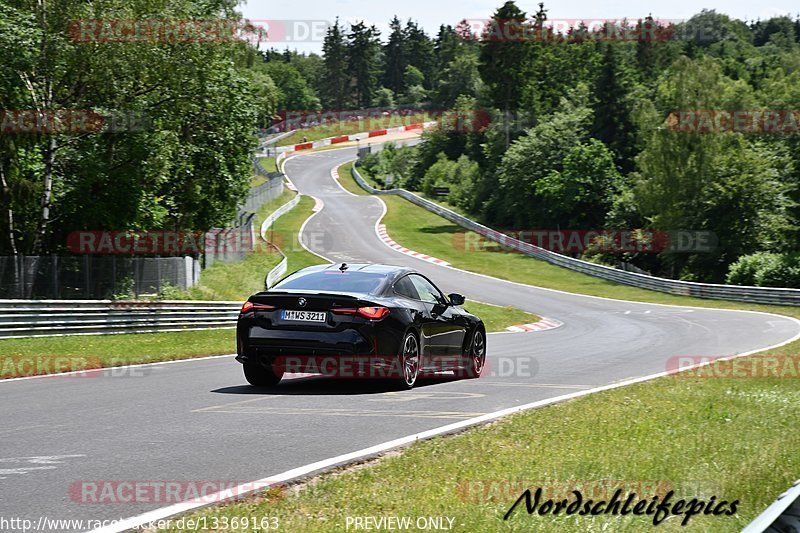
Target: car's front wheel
410 361
476 354
262 376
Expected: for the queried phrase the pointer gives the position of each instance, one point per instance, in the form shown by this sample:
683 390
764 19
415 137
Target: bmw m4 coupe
358 321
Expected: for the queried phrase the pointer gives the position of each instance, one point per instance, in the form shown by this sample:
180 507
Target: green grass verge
670 433
26 357
349 128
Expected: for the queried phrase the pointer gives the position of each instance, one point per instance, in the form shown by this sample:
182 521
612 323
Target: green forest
576 134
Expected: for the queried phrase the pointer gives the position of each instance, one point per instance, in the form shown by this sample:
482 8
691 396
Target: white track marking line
544 324
360 455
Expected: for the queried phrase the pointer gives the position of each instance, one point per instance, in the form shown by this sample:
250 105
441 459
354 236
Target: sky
301 24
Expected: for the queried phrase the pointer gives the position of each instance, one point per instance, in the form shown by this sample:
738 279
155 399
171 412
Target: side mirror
456 299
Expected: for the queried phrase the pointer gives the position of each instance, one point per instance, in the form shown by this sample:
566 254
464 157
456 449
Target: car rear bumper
343 354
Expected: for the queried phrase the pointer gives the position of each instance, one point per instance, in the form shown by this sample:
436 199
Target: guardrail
762 295
782 515
49 318
280 269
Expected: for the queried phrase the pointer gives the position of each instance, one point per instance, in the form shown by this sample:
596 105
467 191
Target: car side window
426 290
404 287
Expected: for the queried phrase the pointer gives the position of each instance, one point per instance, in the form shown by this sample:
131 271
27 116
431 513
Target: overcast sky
300 24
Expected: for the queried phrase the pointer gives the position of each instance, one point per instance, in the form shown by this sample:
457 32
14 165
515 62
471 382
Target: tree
295 93
395 58
419 51
534 156
715 182
503 60
612 117
459 77
581 193
363 59
335 79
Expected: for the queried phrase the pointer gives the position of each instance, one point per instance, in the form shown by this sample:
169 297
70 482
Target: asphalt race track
198 420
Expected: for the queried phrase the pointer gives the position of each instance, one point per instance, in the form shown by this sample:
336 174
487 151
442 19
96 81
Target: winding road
197 420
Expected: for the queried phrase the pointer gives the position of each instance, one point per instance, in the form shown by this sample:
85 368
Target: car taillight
372 313
263 307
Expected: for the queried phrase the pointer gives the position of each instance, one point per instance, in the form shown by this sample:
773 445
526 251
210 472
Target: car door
404 287
447 325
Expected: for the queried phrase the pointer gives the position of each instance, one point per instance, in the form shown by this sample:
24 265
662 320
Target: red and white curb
381 228
354 137
543 325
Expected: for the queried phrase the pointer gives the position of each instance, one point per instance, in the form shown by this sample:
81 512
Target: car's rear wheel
476 355
262 376
410 361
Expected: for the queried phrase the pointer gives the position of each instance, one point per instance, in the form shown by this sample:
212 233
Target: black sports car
359 320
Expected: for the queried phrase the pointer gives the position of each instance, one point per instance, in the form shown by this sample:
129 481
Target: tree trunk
9 212
47 193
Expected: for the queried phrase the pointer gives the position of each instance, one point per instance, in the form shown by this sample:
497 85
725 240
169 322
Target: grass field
46 355
699 436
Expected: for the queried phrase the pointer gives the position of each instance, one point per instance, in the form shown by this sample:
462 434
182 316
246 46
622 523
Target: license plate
304 316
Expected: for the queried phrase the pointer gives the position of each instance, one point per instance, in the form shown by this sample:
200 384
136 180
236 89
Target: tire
410 361
476 355
261 376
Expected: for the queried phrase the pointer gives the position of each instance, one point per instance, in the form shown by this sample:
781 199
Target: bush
766 269
459 176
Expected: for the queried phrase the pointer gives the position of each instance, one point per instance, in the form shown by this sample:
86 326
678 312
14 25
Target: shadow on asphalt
325 386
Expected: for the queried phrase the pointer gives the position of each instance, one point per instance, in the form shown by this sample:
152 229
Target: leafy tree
534 156
295 93
580 194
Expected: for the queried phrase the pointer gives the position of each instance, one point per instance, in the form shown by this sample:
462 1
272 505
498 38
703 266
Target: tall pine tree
335 83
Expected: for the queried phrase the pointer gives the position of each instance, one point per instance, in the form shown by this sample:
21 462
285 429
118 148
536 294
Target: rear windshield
334 281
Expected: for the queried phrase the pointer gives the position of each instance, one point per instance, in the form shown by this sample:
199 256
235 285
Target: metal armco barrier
280 269
782 516
762 295
48 318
